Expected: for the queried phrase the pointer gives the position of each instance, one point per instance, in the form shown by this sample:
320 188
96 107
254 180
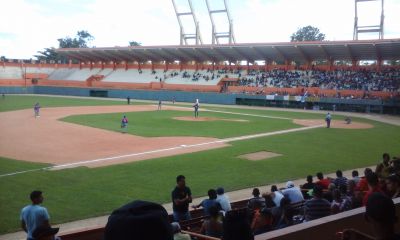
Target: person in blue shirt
34 216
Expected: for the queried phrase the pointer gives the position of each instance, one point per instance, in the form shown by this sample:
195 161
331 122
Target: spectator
363 184
181 197
223 200
373 186
309 184
262 219
355 176
178 235
213 225
46 233
236 226
276 195
380 213
393 186
292 193
256 198
282 215
317 207
324 182
139 220
340 180
383 168
34 216
208 203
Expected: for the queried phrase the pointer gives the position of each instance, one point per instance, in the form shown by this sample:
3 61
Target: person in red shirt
373 186
362 185
324 182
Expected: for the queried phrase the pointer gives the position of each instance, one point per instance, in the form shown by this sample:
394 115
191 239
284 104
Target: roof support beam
243 55
350 52
303 54
280 53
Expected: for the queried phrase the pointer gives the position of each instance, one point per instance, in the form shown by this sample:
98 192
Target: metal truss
217 35
368 29
185 36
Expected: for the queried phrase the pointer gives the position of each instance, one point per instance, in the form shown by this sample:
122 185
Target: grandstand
276 70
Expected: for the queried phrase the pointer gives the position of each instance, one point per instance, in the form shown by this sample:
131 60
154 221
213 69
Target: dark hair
372 179
256 192
236 226
320 175
35 194
367 171
339 173
213 210
386 155
354 173
180 178
212 194
309 178
394 179
274 188
317 191
381 208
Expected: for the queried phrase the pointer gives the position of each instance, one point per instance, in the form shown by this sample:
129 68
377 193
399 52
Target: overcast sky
27 26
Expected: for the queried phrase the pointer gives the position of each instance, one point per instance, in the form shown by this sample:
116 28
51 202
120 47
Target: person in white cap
292 193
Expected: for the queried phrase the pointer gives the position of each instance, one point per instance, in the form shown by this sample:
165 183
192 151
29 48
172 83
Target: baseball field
76 153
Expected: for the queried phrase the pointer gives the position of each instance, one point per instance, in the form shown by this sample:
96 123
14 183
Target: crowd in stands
366 80
275 209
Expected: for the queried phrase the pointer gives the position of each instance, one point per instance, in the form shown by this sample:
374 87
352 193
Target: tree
134 43
307 33
81 40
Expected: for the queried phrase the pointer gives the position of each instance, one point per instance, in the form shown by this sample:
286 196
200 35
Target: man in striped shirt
317 207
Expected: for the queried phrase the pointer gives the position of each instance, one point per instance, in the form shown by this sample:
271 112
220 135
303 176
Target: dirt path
48 140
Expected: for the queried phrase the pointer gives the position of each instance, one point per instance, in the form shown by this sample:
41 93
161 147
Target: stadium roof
386 49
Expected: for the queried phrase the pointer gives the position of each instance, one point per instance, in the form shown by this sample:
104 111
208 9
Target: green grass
79 193
18 102
161 123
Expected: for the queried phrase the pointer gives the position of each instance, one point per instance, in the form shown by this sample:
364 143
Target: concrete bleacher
133 76
73 74
11 73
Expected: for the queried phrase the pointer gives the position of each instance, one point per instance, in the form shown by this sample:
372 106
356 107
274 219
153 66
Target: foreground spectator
46 233
383 168
380 213
393 186
340 180
363 184
324 182
373 186
355 176
34 216
223 200
213 225
255 199
276 195
207 204
139 220
181 197
292 193
178 235
317 207
236 226
282 215
309 185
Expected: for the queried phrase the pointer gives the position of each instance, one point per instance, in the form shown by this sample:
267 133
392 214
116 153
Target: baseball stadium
98 128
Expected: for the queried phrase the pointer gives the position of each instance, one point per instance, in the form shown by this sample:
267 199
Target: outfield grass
17 102
79 193
161 123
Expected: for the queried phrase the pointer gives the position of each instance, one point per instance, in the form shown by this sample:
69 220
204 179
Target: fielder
124 124
36 109
196 108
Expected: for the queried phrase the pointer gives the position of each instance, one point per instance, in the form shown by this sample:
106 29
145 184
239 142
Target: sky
29 26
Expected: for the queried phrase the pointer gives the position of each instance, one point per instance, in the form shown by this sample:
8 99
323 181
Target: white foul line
166 149
248 114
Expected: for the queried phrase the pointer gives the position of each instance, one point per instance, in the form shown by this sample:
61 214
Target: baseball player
36 109
196 108
124 124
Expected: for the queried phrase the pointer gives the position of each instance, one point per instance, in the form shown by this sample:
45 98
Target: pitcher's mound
259 155
203 119
334 123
